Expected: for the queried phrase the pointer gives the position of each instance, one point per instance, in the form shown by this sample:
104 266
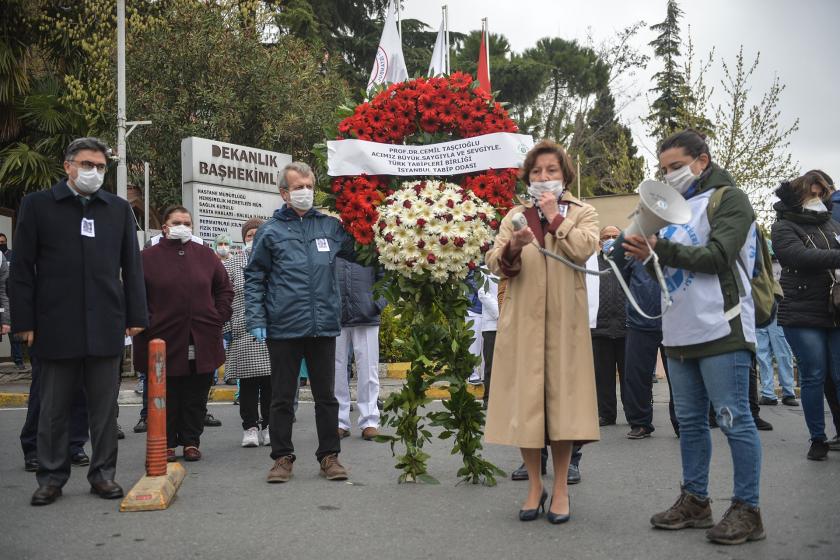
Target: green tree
750 141
202 74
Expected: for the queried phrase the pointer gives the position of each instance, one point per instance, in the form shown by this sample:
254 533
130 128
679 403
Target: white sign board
217 210
224 185
498 150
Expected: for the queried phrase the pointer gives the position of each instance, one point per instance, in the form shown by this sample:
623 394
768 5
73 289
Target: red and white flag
484 64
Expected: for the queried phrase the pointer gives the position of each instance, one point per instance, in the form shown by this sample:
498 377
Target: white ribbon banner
499 150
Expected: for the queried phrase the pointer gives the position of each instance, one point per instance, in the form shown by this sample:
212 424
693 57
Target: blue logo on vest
677 278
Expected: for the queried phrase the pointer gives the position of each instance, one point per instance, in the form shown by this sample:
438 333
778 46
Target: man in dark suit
77 289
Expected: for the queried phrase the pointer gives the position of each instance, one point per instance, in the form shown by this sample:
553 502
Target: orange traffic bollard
156 418
157 489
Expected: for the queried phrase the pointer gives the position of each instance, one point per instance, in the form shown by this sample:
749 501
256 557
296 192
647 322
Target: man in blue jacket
292 300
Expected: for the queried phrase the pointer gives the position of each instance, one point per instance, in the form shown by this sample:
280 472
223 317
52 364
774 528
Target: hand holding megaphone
637 247
522 234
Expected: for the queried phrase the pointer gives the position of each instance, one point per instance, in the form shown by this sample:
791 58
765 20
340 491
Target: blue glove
258 333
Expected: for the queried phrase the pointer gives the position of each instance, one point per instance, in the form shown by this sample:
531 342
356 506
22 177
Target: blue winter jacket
646 292
290 281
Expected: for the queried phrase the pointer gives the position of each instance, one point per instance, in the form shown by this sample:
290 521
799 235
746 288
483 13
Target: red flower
443 240
431 258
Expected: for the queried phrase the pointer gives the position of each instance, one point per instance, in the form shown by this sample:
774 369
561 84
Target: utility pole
122 169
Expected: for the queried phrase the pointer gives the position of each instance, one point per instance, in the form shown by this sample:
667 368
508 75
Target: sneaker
740 523
282 469
834 444
192 453
688 511
140 427
768 401
251 437
369 433
209 420
264 435
639 432
763 425
790 400
818 450
331 469
120 432
474 379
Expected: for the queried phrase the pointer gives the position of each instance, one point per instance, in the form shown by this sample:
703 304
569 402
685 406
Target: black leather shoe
763 425
79 459
31 464
604 422
140 427
120 432
45 495
519 474
212 422
573 476
558 518
767 401
107 489
532 514
790 401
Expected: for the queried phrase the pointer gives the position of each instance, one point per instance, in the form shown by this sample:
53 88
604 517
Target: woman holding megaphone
709 335
543 378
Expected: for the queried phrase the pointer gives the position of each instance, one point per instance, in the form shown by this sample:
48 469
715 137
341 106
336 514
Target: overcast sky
798 40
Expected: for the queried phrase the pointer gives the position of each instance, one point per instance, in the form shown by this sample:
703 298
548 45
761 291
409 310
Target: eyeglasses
88 165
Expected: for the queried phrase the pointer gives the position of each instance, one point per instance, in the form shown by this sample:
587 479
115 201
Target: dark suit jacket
77 293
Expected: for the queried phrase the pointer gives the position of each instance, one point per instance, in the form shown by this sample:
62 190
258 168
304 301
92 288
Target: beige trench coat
543 375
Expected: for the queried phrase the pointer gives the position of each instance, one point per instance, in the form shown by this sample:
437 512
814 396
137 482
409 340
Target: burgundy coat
189 296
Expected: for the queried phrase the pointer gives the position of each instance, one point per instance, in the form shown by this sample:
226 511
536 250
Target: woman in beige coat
543 357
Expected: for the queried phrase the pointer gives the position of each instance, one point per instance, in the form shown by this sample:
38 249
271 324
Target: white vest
697 314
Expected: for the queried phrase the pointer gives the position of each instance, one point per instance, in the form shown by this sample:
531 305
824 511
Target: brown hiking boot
369 433
331 469
740 523
282 469
688 511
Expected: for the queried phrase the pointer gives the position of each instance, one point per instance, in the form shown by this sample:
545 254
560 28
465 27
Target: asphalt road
226 510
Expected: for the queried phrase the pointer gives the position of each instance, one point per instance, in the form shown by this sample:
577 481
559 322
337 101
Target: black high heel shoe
558 518
532 514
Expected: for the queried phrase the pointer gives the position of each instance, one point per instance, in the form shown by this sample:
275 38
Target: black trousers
61 381
830 391
78 418
186 405
674 422
608 354
489 346
252 390
641 348
286 356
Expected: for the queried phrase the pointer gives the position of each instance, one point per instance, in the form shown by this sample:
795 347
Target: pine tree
666 110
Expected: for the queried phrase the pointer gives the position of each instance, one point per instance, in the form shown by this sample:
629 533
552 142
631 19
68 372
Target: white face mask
815 205
537 188
223 251
88 182
181 233
607 245
248 245
681 179
302 199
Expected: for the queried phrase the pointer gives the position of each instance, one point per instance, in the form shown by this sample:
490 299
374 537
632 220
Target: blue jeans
725 380
817 353
771 342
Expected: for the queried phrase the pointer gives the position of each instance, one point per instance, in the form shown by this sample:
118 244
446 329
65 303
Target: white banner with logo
498 150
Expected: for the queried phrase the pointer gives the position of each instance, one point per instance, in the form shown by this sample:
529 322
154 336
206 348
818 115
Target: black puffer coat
806 244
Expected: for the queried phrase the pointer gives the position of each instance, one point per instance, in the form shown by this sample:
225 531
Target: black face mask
3 247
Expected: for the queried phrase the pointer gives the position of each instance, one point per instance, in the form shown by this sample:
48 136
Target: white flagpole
487 45
446 32
399 19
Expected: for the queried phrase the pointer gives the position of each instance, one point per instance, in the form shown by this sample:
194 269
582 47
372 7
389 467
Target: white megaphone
659 206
